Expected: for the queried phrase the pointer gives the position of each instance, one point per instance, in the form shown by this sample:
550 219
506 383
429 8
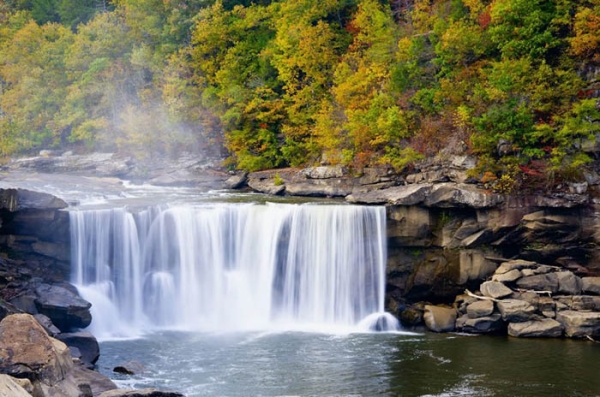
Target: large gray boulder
64 306
439 319
508 277
480 308
516 264
494 289
540 282
267 186
544 328
568 283
580 324
516 311
20 199
591 285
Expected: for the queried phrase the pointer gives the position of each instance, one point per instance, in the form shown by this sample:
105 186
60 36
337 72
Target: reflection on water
307 364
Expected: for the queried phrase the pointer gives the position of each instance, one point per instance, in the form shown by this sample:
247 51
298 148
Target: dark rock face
19 199
130 368
63 306
85 343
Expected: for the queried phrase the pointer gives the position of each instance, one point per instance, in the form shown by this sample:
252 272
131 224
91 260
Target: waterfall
215 267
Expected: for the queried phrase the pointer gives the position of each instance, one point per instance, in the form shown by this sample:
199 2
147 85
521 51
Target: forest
271 84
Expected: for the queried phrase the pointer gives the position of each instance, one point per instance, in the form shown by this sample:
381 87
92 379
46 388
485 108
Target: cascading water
217 267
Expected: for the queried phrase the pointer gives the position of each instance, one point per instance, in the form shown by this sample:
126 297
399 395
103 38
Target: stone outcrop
543 328
579 324
26 351
85 343
63 306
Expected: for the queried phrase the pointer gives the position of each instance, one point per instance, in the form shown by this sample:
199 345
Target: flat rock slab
65 308
517 264
508 277
397 195
545 328
480 325
495 289
580 324
541 282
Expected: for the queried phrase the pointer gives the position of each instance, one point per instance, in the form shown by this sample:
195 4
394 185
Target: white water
223 267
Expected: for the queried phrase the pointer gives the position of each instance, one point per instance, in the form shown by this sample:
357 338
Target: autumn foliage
292 83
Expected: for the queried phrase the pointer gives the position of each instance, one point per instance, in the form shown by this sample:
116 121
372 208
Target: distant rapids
230 267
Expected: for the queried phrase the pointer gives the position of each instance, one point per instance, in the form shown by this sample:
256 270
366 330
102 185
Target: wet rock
480 308
9 387
439 319
65 308
480 325
95 381
494 289
541 282
86 343
515 311
580 324
141 393
591 285
130 368
411 317
544 328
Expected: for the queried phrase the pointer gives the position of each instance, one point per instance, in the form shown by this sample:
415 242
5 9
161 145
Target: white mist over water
232 267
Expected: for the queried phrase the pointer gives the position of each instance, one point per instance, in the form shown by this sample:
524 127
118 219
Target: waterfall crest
216 267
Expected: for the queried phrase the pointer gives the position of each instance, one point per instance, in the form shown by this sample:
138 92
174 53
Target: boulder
9 387
508 277
544 328
141 393
516 264
96 382
541 282
129 368
453 195
411 317
569 283
266 186
580 324
26 351
86 343
515 311
591 285
474 266
236 181
494 289
439 319
480 308
64 306
480 325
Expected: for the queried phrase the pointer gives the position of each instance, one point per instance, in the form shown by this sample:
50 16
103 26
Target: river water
363 364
